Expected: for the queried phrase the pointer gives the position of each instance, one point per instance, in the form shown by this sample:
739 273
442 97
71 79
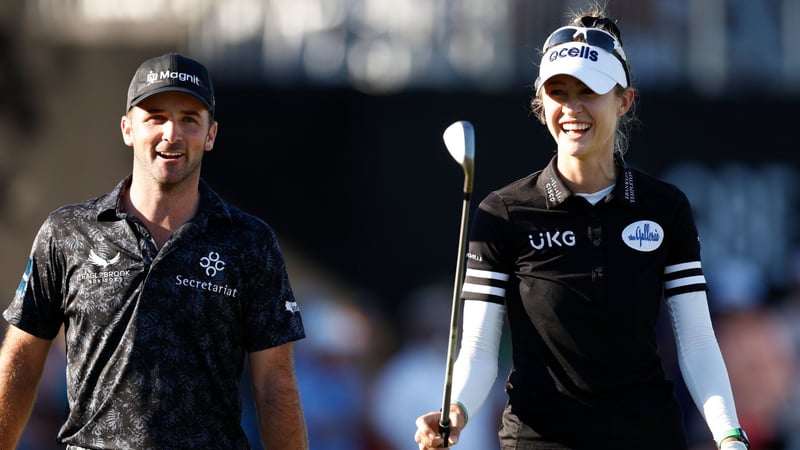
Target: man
162 289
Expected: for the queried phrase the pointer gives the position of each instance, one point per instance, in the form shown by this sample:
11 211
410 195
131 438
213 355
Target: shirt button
596 242
598 272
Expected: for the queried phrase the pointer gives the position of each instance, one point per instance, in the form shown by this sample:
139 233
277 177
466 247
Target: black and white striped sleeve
487 276
683 272
684 277
485 285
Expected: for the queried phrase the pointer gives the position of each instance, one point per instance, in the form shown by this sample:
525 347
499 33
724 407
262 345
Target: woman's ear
627 97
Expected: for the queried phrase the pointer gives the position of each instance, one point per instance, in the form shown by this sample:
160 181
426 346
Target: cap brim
164 89
600 74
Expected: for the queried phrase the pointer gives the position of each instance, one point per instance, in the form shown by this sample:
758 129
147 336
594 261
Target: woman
579 255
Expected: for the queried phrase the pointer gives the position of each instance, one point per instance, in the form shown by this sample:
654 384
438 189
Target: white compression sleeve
701 362
476 367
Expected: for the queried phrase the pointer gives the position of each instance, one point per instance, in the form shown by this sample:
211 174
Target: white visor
595 67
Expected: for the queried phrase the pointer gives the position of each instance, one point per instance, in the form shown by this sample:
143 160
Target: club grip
444 431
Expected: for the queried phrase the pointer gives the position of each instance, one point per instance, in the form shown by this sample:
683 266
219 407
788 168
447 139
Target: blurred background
331 114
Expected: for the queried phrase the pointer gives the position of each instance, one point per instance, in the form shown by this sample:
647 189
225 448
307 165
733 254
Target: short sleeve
272 314
37 304
487 273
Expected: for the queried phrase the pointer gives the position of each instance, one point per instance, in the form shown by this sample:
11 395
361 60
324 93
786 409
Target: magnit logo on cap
574 52
156 77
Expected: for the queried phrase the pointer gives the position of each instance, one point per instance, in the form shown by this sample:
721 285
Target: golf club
459 138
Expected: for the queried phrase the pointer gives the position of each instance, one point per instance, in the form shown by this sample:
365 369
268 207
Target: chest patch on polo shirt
105 269
213 265
552 239
643 235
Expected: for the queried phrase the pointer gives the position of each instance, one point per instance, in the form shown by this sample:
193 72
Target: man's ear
127 133
211 136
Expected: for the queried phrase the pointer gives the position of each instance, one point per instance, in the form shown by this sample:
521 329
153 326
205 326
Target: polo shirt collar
554 191
212 207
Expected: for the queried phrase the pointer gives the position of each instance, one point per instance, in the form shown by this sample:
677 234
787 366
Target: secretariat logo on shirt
212 265
104 269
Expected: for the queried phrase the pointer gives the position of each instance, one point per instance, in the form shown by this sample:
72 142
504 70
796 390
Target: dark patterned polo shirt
583 285
156 339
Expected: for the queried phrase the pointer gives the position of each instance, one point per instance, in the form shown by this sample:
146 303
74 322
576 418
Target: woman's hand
427 435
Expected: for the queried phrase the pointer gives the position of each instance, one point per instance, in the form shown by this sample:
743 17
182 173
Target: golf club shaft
444 422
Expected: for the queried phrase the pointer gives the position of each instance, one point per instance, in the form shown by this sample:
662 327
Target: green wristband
735 433
464 410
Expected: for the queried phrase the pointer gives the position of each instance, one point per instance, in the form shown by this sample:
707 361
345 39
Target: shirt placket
597 255
147 245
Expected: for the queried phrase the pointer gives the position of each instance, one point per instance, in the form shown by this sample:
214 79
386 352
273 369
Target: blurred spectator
789 303
759 353
763 369
412 381
330 374
736 285
788 308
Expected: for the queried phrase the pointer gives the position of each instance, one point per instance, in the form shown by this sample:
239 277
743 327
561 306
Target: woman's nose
572 106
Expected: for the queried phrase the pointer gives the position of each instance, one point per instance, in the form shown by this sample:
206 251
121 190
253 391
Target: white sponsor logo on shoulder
292 307
644 235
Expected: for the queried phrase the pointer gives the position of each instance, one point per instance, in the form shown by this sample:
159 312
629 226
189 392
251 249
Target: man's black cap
171 72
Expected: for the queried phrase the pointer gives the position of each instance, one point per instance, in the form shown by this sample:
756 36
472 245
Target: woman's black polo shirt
583 286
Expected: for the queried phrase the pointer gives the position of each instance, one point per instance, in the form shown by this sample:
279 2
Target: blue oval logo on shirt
644 235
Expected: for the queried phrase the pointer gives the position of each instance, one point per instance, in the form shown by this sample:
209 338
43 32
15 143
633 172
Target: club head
459 138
